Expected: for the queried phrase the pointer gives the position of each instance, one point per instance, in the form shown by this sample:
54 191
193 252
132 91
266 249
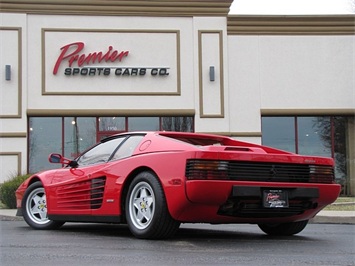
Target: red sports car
153 181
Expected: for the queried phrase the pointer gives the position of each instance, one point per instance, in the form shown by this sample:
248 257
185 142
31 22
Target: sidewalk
334 217
330 217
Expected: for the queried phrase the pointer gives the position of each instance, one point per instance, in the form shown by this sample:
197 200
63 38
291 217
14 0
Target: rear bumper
242 201
248 201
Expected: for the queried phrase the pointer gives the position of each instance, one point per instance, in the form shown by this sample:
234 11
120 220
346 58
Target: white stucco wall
293 72
13 96
13 50
288 72
244 84
307 72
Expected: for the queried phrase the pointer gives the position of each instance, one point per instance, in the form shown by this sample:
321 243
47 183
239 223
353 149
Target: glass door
108 126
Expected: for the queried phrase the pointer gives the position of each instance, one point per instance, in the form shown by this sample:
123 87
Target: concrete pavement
330 217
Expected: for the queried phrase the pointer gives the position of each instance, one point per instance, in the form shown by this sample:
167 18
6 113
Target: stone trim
156 8
291 25
109 112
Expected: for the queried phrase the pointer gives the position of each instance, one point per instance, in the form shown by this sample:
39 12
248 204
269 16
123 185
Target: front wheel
34 206
146 209
283 229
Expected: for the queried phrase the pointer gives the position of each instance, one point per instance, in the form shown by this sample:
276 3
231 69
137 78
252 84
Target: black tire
284 229
34 206
146 210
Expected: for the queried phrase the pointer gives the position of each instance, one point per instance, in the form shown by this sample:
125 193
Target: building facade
73 73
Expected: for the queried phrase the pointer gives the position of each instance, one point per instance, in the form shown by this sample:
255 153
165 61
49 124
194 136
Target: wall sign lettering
72 55
111 62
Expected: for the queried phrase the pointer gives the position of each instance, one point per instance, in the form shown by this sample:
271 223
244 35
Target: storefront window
45 137
329 136
70 136
181 124
79 134
314 136
143 123
279 132
344 150
112 124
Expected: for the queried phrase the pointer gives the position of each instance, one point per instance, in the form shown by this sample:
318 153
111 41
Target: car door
79 190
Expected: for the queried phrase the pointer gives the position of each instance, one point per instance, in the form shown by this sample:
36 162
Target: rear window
196 141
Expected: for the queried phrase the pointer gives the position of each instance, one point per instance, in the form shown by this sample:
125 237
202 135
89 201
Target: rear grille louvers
258 171
269 172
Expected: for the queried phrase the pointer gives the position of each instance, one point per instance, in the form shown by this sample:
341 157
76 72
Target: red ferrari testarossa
153 181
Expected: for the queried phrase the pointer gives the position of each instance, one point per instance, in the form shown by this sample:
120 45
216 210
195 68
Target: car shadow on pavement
185 233
196 234
226 235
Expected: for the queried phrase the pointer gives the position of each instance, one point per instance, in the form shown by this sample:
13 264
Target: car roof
189 137
201 139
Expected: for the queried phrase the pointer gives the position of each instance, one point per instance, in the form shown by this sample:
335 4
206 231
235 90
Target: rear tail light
321 174
206 170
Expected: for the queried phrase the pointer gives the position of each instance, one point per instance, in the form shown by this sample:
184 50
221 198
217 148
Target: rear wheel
146 209
283 229
34 206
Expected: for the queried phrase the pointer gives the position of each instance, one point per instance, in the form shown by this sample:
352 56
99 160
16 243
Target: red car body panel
69 190
216 193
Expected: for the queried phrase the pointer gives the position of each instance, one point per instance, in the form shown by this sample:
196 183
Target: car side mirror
55 158
58 158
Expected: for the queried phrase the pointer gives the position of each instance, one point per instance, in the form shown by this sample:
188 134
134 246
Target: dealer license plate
275 198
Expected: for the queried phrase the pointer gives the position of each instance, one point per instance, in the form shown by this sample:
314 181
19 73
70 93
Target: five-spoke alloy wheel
146 210
142 205
34 206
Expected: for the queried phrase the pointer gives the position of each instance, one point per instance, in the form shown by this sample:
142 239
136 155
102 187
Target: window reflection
329 136
279 132
112 124
45 137
127 148
100 153
344 150
70 136
79 134
143 123
314 136
181 124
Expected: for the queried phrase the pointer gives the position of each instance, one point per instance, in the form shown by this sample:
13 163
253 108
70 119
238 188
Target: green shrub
8 188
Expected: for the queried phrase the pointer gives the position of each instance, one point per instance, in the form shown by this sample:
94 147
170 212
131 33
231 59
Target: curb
332 220
334 217
323 217
10 218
